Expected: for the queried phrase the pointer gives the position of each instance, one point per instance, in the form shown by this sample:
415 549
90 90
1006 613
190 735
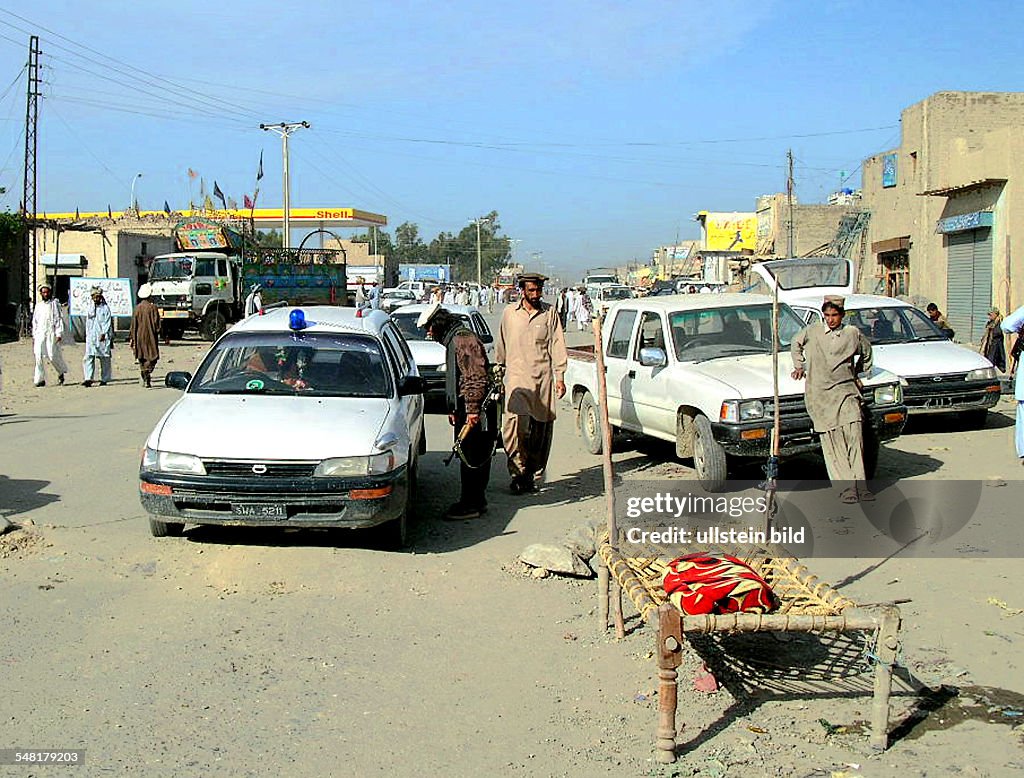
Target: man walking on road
831 356
99 339
144 335
466 385
531 347
47 334
1011 324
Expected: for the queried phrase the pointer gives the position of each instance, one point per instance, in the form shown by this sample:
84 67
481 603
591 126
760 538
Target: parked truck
696 370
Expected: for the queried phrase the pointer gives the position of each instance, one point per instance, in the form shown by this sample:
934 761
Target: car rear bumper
306 502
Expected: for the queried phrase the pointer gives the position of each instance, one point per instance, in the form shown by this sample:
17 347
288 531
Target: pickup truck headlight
890 394
346 467
741 410
170 462
982 374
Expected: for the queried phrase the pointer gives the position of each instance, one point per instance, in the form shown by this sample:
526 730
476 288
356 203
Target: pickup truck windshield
311 364
807 273
407 324
730 332
171 269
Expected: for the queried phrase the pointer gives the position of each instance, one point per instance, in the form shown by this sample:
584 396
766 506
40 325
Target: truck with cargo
696 370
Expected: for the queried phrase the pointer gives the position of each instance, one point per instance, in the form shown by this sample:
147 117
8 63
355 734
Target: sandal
866 495
849 496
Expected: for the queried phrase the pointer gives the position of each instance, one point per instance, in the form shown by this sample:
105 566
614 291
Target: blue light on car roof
297 320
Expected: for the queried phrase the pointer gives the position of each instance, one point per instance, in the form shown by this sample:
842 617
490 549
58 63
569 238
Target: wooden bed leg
670 655
603 584
886 650
620 622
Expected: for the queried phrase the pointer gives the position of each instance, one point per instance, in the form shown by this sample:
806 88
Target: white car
429 354
939 376
396 298
296 418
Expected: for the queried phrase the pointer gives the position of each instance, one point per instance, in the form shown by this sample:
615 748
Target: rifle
493 395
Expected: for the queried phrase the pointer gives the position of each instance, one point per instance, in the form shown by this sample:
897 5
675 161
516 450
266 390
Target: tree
385 246
409 245
270 238
12 228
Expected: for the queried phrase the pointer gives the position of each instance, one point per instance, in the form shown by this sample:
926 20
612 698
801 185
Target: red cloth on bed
700 583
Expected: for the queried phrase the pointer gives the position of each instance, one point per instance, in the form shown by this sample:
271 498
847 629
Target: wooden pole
771 472
606 452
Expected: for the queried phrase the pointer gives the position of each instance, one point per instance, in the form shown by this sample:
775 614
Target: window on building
895 272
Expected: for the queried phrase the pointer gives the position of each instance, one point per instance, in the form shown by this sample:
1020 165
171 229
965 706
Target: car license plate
173 314
259 511
938 402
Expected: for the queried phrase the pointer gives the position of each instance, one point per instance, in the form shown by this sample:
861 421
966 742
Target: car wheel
590 425
395 534
974 420
164 529
708 456
214 325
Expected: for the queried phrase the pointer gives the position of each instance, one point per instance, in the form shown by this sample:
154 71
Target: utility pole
790 251
28 202
284 129
479 254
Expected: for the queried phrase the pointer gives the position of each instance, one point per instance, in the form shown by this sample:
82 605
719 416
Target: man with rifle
470 410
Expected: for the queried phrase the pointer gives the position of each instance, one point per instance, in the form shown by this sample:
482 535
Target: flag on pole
77 217
110 214
207 203
219 194
248 202
232 203
192 173
202 187
167 208
259 173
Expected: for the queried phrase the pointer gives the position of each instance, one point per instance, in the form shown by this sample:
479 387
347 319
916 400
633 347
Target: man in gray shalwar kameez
99 339
831 355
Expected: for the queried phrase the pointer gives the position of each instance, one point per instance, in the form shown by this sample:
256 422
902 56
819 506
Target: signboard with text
116 291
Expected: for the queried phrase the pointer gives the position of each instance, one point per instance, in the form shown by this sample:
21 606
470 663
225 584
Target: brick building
947 222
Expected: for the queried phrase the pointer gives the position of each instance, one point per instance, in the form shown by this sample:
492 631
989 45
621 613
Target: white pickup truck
697 370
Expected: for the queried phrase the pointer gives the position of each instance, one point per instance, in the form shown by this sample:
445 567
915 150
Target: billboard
730 231
116 291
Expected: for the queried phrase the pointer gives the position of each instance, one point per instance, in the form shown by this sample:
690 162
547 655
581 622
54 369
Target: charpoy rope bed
806 605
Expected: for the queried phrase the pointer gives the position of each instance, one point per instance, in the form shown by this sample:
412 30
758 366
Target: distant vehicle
199 290
297 418
393 299
696 370
508 277
429 354
796 278
939 376
419 288
600 275
604 295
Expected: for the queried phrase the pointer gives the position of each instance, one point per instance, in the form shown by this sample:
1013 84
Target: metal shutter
969 282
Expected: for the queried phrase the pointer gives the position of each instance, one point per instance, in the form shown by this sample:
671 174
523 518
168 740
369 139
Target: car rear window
308 364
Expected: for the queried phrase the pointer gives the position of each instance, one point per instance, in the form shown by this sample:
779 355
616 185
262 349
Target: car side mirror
412 384
487 338
177 379
651 356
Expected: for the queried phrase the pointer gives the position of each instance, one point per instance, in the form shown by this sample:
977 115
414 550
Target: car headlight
741 410
890 394
171 462
982 374
347 467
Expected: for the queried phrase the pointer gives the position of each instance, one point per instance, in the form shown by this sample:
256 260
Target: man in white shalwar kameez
1011 324
47 334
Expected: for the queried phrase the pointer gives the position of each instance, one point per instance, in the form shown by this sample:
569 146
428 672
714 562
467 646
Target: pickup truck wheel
164 529
708 456
590 425
214 325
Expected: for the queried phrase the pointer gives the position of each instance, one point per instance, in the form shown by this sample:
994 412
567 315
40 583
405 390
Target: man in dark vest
475 421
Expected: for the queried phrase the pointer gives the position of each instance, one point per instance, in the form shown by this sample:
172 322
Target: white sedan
939 376
297 418
429 355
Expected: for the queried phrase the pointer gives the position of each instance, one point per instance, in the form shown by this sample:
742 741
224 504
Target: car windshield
308 364
806 273
407 324
894 325
729 332
617 293
171 269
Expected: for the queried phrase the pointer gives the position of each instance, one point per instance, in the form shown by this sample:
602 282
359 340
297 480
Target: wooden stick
885 651
669 651
603 585
606 435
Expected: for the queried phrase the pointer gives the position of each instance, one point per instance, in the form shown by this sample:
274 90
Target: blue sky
595 129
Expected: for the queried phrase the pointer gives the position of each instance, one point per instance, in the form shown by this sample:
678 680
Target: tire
708 456
164 529
175 331
974 420
590 425
214 325
394 536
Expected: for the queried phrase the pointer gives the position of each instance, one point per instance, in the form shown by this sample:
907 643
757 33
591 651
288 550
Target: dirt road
258 652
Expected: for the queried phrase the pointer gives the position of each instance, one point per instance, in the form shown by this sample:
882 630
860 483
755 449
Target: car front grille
259 469
936 380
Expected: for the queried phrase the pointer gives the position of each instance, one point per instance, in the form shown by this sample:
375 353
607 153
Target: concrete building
947 222
815 225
